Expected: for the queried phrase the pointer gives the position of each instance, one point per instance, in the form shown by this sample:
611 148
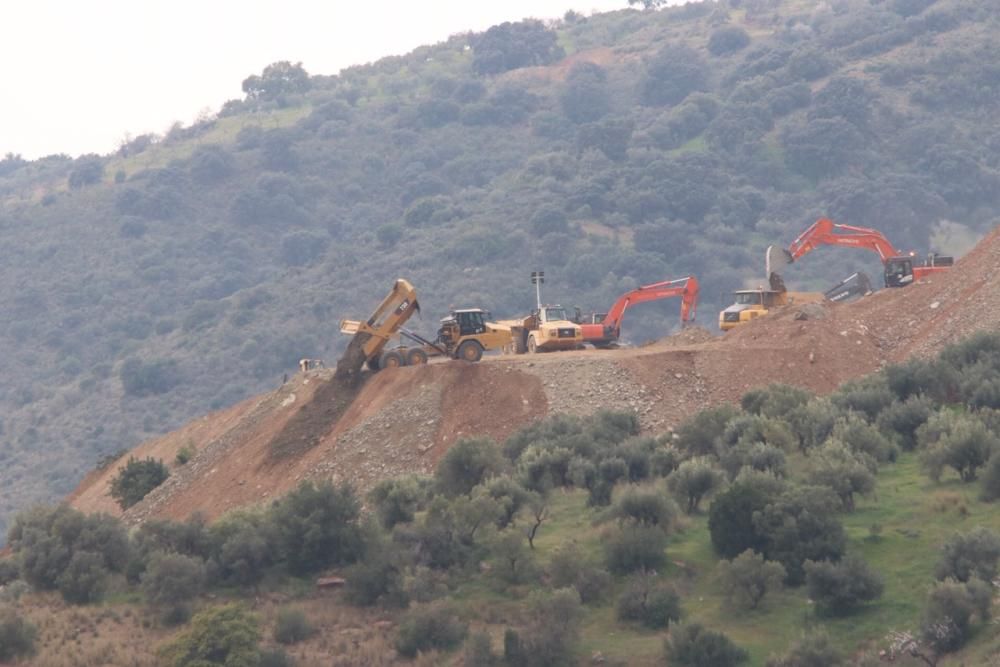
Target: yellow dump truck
463 334
750 304
546 329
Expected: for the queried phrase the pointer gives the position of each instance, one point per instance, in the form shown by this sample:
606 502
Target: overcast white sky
76 76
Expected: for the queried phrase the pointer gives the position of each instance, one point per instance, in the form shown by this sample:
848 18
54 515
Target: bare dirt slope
402 420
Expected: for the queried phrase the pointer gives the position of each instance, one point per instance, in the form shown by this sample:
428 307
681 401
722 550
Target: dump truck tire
470 350
392 359
518 344
416 357
532 345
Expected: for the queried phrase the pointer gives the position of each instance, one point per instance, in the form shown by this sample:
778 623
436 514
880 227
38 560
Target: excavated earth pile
364 428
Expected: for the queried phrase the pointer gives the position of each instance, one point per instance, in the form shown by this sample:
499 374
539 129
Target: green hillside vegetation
830 527
190 270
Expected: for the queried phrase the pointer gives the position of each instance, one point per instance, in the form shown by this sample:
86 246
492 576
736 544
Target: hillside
403 422
188 272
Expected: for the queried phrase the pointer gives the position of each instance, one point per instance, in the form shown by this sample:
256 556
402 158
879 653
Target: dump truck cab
749 304
550 328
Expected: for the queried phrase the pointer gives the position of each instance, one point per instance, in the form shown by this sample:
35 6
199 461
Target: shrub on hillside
510 496
468 463
949 613
396 500
671 75
136 479
512 560
292 626
242 547
748 578
730 517
693 645
991 478
901 420
635 547
171 581
798 526
567 570
85 578
317 526
698 435
149 378
774 400
9 571
728 39
45 540
648 505
694 480
551 634
957 441
843 471
813 650
649 601
863 438
969 555
433 626
376 580
478 651
226 635
841 587
17 635
868 396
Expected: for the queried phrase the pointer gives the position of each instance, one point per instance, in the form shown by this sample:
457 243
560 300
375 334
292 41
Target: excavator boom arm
825 232
687 288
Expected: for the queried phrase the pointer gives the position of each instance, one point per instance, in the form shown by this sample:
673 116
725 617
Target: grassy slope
915 515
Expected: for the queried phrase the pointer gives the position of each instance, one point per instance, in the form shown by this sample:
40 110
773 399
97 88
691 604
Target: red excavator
901 269
604 329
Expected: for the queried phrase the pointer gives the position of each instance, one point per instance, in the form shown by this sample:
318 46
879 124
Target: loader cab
471 321
898 271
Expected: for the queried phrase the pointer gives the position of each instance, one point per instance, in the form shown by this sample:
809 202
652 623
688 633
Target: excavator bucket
776 260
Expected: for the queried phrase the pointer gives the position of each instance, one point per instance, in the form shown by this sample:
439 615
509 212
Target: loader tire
518 344
532 345
374 365
470 350
392 359
416 357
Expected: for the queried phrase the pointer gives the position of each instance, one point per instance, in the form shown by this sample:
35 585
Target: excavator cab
898 271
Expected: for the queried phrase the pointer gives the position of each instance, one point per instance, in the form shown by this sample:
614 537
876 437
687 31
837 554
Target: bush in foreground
292 626
17 635
693 645
226 635
748 578
653 603
137 479
634 548
840 587
435 626
968 555
813 650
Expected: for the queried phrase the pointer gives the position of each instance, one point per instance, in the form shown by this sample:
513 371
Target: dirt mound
316 418
925 317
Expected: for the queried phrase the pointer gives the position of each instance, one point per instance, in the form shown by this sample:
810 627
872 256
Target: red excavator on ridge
604 329
901 269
